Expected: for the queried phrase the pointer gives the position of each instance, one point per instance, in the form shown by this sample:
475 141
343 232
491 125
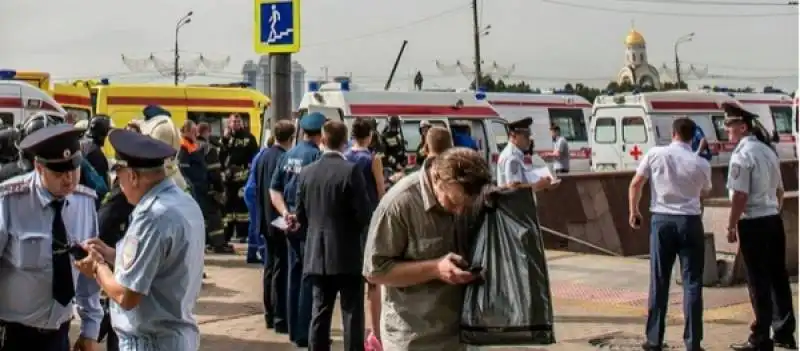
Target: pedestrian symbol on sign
274 18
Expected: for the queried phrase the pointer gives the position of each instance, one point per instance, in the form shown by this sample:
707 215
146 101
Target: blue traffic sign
277 26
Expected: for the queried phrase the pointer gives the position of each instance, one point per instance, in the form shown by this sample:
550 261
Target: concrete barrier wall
593 207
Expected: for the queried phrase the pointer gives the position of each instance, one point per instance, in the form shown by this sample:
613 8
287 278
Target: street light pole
684 39
186 19
477 38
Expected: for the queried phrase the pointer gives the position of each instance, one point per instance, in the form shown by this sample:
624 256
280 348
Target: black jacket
112 217
264 169
333 210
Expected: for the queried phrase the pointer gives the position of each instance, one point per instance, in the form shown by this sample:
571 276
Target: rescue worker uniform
511 161
255 242
755 171
160 257
238 150
38 234
394 147
212 200
284 180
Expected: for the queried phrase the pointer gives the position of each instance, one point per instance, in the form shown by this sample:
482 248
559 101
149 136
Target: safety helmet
99 126
38 121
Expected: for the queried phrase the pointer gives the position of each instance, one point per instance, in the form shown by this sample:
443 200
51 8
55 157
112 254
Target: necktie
63 288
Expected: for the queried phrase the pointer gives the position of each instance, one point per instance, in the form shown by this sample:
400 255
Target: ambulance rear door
411 134
620 138
10 104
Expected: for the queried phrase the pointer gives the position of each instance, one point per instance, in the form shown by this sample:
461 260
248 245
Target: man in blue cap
283 194
158 270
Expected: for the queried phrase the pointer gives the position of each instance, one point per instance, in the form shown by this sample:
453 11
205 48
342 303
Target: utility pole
477 37
683 39
186 19
280 66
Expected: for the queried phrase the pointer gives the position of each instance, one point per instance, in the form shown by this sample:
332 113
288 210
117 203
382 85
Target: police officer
511 169
44 215
216 191
394 146
96 134
283 194
158 269
756 192
238 149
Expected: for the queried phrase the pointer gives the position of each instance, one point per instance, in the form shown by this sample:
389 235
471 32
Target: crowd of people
328 215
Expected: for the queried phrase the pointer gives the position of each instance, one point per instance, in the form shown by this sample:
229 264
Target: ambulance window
7 118
499 134
571 122
410 130
217 120
78 114
719 127
605 131
782 115
633 130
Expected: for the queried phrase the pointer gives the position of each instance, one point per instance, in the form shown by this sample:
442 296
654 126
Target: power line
713 2
675 14
745 68
391 29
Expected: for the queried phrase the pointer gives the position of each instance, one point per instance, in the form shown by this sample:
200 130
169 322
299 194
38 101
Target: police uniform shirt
755 170
161 258
292 162
511 166
26 269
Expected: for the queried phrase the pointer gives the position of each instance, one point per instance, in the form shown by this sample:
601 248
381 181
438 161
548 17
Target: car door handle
623 147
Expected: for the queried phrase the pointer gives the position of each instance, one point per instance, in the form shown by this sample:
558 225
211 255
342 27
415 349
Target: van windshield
782 115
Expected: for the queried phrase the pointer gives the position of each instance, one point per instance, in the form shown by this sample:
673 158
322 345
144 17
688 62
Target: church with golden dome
637 70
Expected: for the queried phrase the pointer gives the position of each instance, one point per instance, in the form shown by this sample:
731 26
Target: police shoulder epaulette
85 190
16 187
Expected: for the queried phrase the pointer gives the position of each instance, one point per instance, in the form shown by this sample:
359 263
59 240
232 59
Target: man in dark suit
333 208
275 263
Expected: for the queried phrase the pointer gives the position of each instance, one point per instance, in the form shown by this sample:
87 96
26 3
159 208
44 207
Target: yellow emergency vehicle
201 103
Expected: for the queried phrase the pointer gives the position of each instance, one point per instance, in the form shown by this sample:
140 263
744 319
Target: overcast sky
556 43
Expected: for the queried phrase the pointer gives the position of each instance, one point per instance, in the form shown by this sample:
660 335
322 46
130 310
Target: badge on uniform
735 171
129 250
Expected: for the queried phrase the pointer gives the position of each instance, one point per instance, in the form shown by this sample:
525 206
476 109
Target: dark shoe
301 344
254 260
224 250
786 343
281 328
749 346
649 347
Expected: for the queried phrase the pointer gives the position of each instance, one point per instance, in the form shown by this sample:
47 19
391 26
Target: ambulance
624 127
568 111
74 98
209 104
19 100
775 114
441 108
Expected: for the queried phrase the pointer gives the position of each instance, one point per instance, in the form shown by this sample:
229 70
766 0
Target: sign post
277 34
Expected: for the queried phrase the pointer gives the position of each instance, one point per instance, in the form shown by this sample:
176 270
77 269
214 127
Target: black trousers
324 290
275 282
213 219
18 337
762 242
236 214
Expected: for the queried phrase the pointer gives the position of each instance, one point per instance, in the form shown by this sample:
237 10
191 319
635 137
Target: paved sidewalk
598 301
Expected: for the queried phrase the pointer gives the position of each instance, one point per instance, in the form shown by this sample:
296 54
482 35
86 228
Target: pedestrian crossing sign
277 26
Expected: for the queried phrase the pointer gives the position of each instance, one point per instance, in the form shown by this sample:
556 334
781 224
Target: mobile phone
637 221
78 252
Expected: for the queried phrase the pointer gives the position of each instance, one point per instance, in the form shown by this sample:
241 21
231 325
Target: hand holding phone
77 252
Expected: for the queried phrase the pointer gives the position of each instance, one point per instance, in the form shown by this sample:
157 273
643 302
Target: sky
546 42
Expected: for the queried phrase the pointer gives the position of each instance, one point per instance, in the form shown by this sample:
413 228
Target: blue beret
312 122
154 110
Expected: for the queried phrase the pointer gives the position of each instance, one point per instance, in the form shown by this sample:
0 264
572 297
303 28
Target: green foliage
590 93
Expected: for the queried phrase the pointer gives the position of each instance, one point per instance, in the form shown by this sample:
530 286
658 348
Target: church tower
638 70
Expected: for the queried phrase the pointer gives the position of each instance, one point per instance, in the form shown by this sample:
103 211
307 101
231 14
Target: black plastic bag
511 305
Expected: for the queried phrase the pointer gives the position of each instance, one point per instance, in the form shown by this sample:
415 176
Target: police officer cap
735 113
151 111
136 150
521 126
312 122
56 147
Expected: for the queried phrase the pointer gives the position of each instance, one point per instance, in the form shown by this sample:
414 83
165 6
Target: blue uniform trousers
255 242
671 236
300 294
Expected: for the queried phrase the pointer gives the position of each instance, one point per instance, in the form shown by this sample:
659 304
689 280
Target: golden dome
634 38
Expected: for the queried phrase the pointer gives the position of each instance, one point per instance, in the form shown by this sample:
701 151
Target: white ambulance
570 112
339 102
20 100
624 127
775 114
